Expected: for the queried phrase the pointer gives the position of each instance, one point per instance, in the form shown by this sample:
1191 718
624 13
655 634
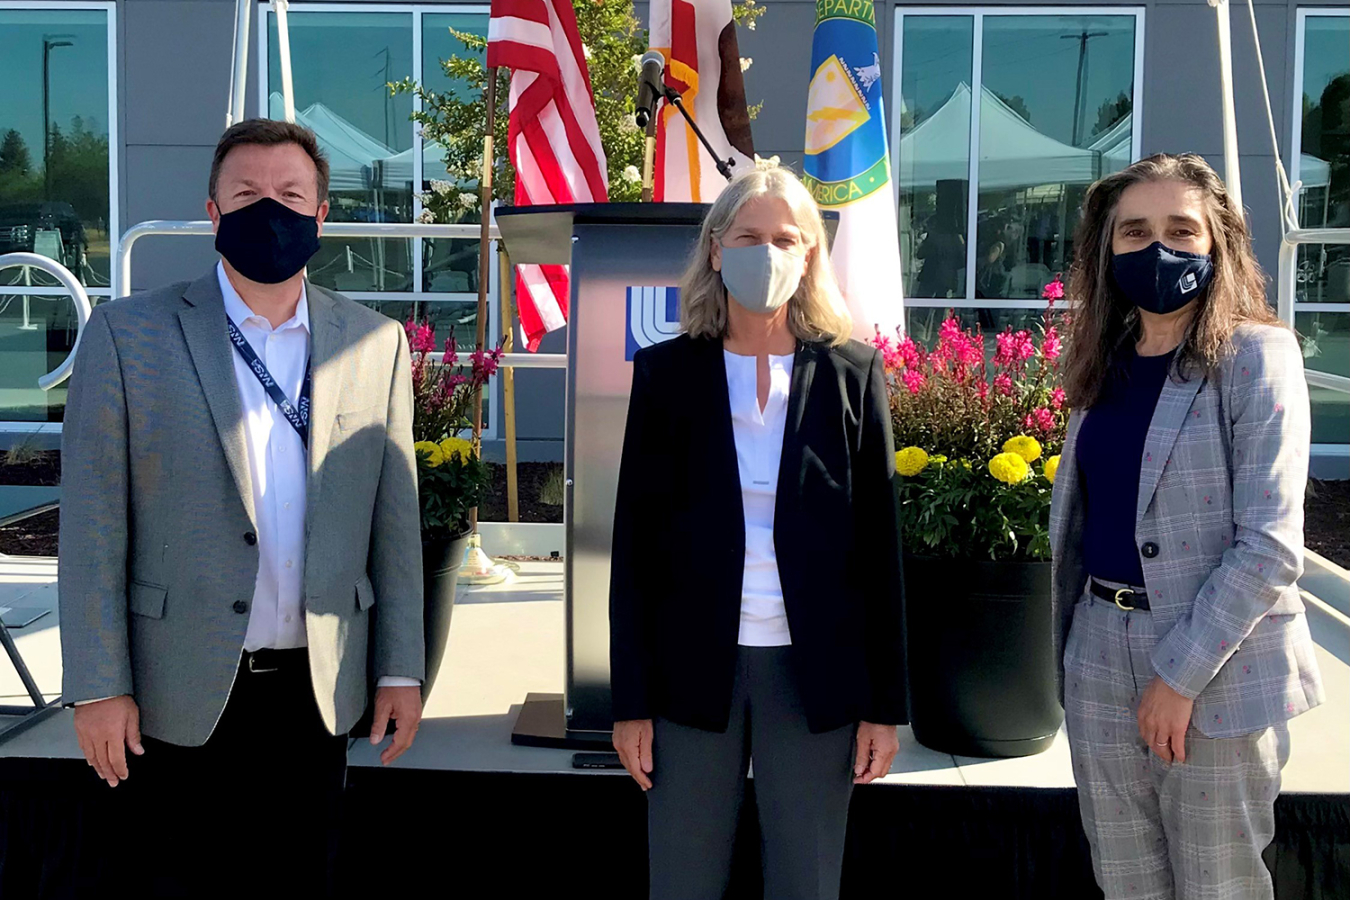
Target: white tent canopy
1013 154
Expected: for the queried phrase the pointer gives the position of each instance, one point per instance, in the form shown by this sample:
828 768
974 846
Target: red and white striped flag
554 139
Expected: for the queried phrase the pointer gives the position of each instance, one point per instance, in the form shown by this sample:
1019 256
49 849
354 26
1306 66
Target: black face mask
1159 279
267 241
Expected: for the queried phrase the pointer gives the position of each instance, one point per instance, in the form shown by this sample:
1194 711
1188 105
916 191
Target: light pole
49 41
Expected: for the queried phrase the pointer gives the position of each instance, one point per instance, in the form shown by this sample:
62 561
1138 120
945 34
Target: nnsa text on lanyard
298 416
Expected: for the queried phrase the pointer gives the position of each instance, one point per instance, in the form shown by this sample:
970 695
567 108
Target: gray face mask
760 278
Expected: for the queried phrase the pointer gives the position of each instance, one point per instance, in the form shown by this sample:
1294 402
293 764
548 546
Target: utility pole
1082 38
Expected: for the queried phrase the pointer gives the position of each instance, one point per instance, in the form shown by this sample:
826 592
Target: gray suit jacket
1221 495
157 519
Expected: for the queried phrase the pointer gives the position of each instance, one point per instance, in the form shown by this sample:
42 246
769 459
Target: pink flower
909 353
1052 345
451 352
914 380
1057 398
1054 290
484 364
1040 419
421 338
1003 383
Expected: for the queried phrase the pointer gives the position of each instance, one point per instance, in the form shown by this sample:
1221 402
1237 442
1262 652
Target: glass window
54 143
341 65
1045 132
56 167
449 266
1322 135
933 166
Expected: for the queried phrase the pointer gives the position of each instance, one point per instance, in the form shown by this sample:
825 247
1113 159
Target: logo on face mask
1159 279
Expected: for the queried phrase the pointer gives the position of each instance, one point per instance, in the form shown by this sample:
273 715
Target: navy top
1110 452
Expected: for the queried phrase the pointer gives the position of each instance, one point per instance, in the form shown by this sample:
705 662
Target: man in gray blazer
240 539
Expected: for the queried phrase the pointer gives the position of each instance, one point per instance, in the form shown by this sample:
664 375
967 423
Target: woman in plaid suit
1177 534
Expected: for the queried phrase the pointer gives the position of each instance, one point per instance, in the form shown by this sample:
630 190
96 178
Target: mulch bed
1326 529
532 478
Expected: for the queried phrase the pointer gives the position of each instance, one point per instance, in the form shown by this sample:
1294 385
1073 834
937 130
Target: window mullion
973 192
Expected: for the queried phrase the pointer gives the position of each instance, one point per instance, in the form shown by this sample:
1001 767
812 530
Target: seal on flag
846 153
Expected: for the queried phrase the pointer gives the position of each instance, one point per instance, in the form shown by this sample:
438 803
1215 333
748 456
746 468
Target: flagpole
649 158
484 265
478 567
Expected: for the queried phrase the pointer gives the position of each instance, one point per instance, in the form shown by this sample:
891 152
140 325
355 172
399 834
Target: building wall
174 59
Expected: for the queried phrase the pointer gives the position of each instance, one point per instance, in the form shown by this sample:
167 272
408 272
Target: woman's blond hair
816 311
1105 321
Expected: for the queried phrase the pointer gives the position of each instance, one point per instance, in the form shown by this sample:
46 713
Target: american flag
554 139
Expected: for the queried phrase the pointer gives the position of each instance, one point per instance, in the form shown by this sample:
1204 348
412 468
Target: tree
1016 104
1111 112
613 41
14 156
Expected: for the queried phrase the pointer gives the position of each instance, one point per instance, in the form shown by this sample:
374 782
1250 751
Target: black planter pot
979 636
441 559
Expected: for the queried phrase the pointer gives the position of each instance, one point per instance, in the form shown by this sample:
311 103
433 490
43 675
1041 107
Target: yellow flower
910 461
1051 467
1010 468
936 459
453 446
1026 447
431 452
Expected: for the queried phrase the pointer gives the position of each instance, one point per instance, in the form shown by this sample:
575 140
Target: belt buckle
1119 594
255 669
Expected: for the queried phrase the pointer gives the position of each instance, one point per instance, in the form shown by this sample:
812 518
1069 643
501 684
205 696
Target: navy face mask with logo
1159 279
267 241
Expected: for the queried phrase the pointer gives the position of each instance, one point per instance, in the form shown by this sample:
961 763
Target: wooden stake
484 264
508 314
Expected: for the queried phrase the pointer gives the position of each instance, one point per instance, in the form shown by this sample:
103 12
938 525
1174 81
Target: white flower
427 218
750 24
766 163
442 187
631 174
585 51
637 64
468 200
746 62
628 124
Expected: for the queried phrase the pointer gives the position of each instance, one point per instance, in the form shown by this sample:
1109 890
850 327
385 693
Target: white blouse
759 447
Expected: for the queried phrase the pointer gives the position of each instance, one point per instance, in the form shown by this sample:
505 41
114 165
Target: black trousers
254 812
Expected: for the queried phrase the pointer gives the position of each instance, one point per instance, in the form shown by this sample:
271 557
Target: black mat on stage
539 835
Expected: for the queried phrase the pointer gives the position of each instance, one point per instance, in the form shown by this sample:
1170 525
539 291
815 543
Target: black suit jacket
679 540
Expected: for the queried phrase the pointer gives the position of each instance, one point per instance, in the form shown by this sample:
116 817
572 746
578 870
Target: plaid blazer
1221 489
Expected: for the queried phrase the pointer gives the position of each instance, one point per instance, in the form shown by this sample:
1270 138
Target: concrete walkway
507 640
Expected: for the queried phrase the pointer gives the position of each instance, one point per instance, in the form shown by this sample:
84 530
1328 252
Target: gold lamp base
478 567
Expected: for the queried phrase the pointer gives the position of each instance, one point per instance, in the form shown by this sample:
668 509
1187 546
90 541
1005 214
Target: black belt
259 662
1126 598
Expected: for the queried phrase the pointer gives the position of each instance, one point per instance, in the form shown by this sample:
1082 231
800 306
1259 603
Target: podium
626 259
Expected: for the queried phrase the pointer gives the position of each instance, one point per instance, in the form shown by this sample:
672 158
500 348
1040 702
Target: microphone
649 86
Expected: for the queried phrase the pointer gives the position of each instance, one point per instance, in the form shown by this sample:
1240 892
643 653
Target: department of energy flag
553 139
847 163
703 63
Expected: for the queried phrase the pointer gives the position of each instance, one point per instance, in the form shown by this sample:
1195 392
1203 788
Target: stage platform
472 806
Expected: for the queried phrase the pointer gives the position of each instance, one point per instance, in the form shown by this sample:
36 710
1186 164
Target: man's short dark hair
269 132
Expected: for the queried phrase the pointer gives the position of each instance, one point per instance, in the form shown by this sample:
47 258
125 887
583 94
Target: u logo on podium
653 317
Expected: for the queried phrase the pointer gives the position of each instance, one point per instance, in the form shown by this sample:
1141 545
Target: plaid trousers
1159 831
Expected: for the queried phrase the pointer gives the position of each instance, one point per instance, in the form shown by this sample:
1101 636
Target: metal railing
122 268
77 294
1286 289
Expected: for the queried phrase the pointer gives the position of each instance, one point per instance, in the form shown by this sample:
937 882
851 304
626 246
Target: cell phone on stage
596 761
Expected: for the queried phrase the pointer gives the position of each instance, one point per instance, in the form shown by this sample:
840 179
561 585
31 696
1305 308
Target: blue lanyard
297 416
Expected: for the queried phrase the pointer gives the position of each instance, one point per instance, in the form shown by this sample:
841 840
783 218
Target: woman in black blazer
755 587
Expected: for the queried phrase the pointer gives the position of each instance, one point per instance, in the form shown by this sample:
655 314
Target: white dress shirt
278 463
759 449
